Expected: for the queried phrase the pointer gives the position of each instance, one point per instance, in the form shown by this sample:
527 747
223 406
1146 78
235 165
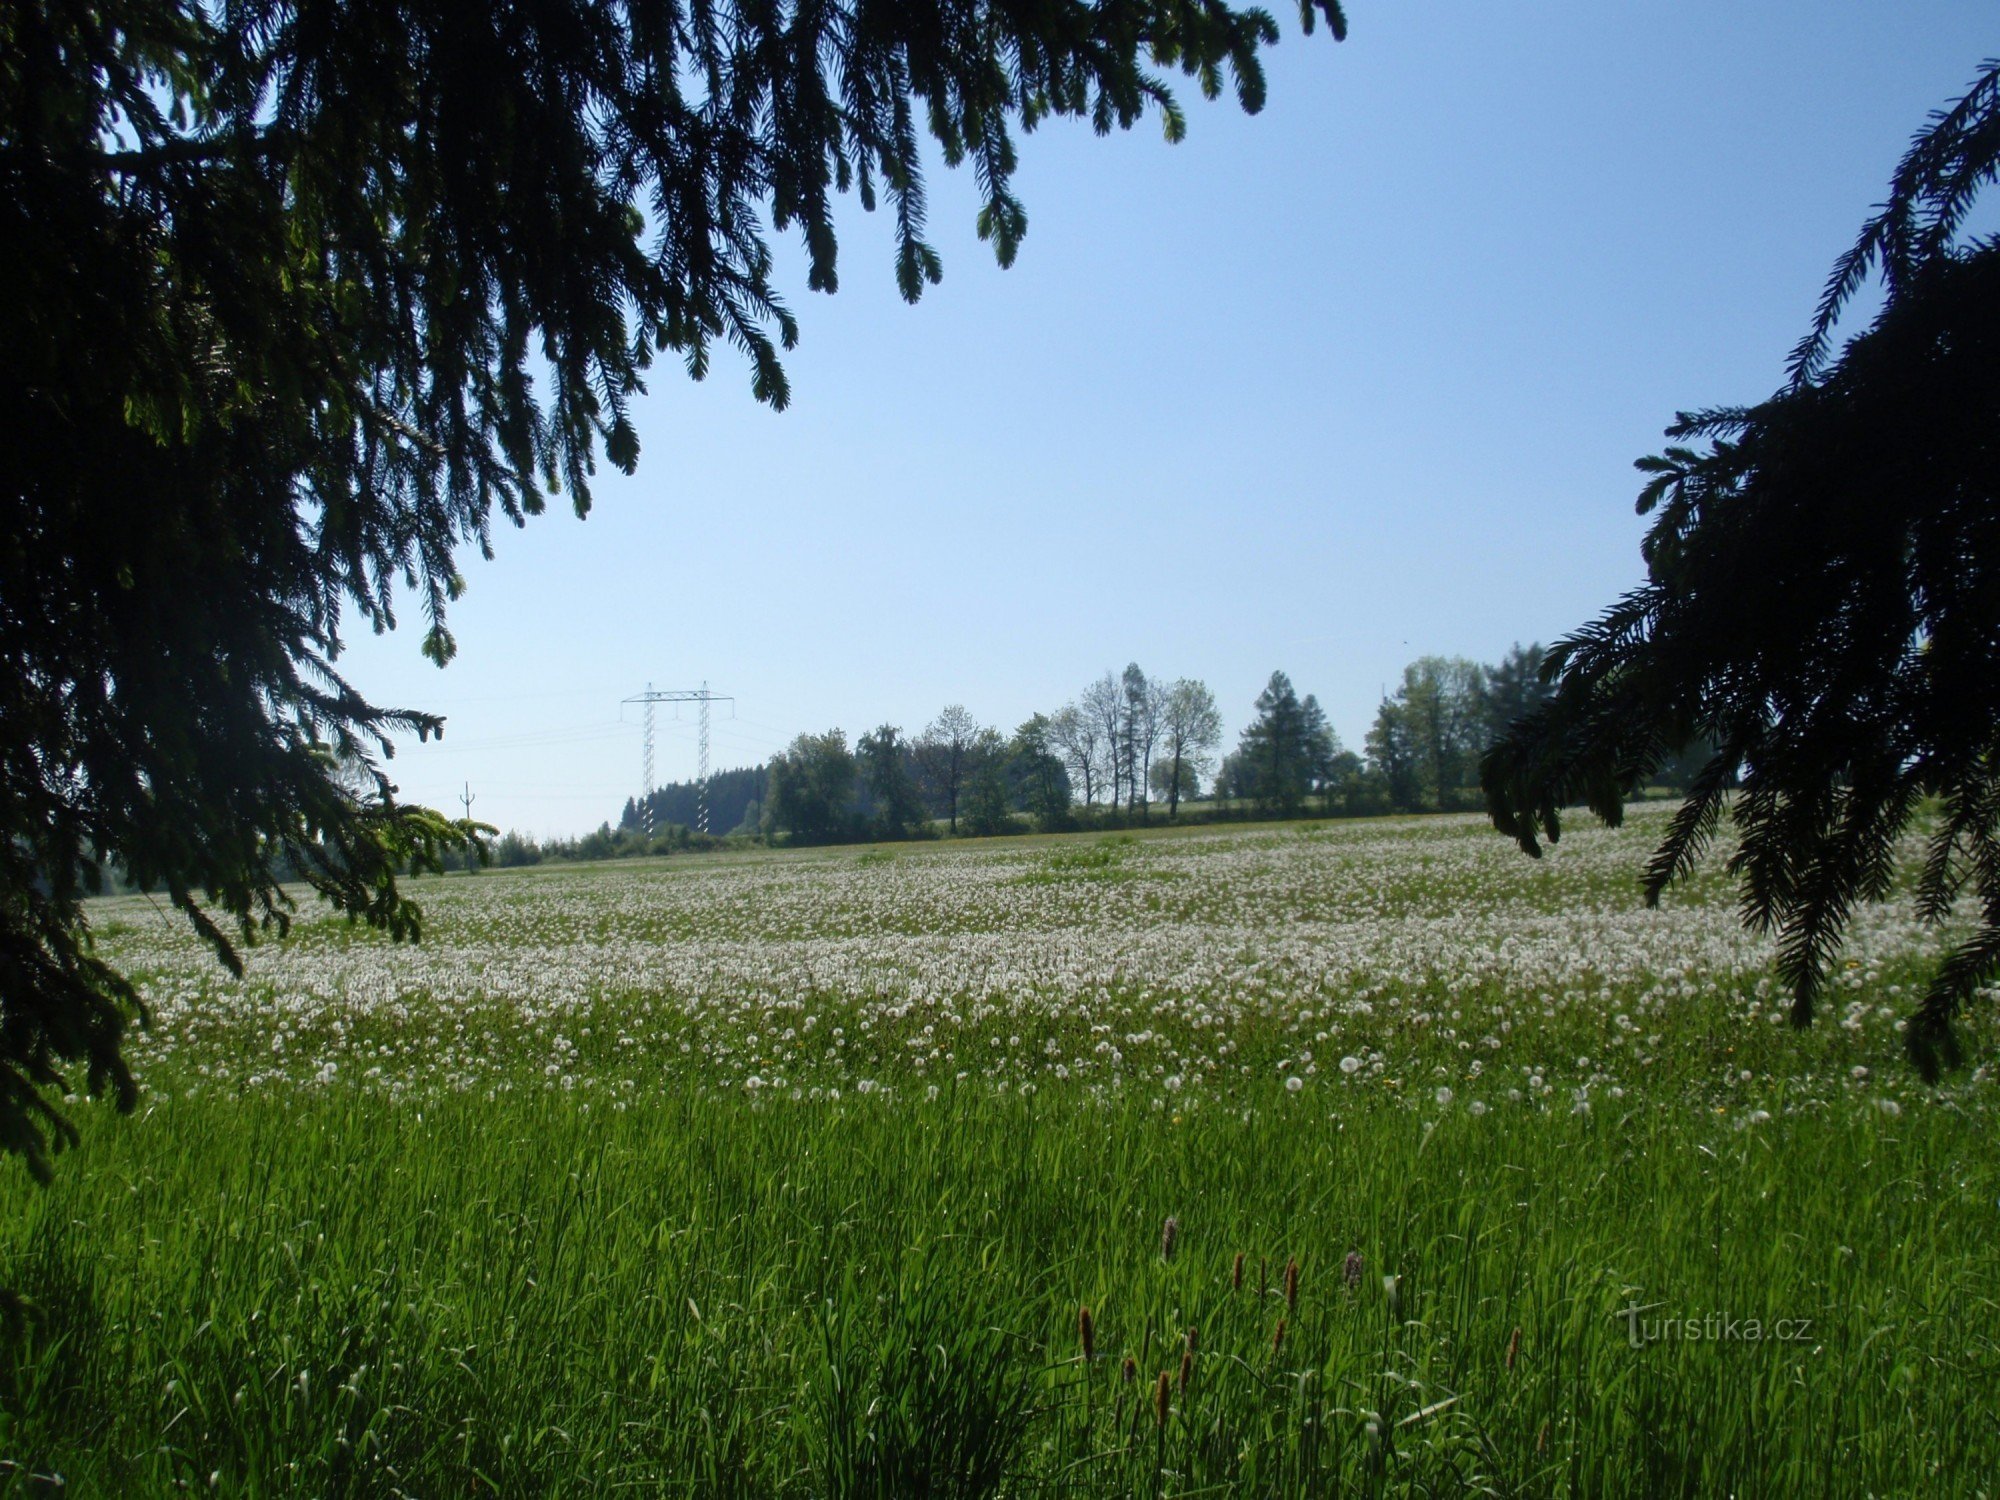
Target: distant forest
735 803
1127 750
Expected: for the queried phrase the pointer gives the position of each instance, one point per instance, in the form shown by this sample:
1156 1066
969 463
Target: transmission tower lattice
701 697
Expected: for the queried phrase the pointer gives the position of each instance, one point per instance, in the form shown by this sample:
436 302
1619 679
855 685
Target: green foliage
300 297
987 810
1427 740
729 795
1286 752
1173 789
1139 732
892 787
1514 687
1038 783
516 849
1075 737
1822 606
946 755
1190 728
812 788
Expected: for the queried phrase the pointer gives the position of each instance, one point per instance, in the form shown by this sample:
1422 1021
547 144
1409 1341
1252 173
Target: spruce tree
1822 607
301 299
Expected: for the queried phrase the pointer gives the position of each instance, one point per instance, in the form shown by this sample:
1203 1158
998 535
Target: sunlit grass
570 1212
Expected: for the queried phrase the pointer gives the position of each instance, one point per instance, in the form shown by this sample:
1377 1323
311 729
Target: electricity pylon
703 697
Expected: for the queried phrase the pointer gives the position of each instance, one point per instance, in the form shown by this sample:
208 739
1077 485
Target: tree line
1126 749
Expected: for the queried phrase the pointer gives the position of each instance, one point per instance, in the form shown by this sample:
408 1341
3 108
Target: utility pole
702 697
467 799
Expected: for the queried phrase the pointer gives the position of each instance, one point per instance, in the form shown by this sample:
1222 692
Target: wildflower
1086 1334
1350 1065
1169 1232
1294 1084
1351 1269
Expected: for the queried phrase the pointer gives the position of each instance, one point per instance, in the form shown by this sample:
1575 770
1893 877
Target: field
1384 1160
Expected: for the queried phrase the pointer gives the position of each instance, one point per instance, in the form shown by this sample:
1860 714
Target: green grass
412 1283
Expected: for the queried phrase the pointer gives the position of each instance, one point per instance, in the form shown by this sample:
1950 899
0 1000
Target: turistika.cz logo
1709 1328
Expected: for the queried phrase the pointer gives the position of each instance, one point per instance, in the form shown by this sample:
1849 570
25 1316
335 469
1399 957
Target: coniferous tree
1513 687
299 298
1822 606
1141 721
1392 754
1279 752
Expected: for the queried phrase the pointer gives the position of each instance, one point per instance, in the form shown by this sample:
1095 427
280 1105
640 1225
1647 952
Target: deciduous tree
1039 784
812 788
885 771
1427 740
1191 728
987 811
1076 737
1104 703
944 756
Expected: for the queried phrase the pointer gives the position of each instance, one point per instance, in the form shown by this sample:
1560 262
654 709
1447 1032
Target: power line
703 697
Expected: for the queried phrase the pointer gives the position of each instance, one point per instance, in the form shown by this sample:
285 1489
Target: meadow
1361 1158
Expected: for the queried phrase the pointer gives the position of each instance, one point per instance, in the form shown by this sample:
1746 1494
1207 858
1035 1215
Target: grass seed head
1163 1394
1193 1341
1129 1371
1514 1346
1278 1338
1292 1284
1236 1273
1169 1232
1187 1368
1086 1334
1352 1268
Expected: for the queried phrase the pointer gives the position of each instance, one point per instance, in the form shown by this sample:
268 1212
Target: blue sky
1354 380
